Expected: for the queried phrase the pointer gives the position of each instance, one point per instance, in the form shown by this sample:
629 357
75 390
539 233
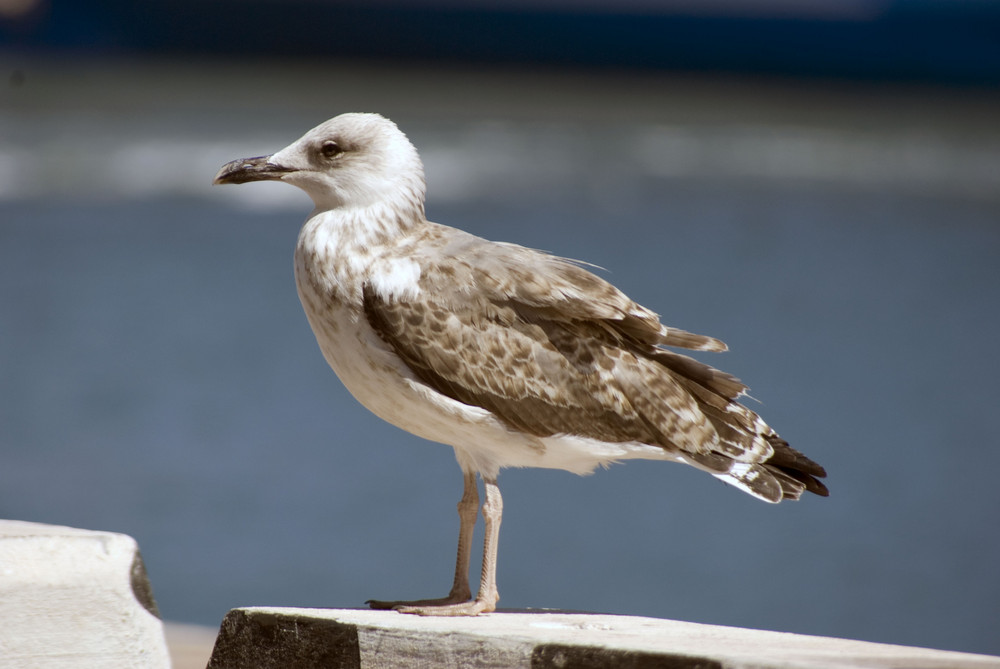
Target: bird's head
352 160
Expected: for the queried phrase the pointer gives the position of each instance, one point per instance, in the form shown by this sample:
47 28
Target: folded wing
550 349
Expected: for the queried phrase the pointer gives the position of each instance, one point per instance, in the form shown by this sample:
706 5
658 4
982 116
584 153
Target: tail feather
796 465
757 481
684 339
724 386
748 454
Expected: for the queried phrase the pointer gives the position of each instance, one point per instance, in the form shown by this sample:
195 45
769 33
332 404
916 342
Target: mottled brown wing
549 348
542 377
555 288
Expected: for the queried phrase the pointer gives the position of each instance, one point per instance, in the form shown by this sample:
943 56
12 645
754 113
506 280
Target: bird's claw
444 606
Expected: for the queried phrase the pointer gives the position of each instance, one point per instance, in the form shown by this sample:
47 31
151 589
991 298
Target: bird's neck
337 246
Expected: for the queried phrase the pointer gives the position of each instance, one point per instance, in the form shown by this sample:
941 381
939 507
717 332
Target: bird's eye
330 149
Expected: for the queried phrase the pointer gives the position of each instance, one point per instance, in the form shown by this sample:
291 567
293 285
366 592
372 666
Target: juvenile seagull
512 357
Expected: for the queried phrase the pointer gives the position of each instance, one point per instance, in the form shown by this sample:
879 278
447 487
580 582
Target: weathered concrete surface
75 598
266 638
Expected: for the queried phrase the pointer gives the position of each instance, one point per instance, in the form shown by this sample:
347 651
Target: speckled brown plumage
552 349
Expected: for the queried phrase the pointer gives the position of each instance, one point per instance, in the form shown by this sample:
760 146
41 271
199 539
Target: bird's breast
329 284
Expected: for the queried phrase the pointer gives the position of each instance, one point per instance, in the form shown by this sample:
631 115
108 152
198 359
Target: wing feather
551 349
546 286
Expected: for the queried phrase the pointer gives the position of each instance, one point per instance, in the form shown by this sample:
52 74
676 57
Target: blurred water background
841 234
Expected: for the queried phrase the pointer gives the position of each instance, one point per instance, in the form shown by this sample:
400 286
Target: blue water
158 378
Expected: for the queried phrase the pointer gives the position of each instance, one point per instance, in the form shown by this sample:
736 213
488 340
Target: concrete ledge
75 598
266 638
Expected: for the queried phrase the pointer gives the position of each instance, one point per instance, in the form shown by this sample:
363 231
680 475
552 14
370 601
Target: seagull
511 356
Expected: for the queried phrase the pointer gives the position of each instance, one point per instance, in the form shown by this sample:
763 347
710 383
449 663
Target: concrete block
75 598
269 638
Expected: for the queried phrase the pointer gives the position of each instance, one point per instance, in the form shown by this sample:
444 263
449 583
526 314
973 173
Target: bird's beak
250 169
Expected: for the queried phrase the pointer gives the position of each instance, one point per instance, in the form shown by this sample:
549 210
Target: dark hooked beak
250 169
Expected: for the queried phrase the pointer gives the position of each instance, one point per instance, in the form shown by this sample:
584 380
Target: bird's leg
468 508
460 592
492 511
488 596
